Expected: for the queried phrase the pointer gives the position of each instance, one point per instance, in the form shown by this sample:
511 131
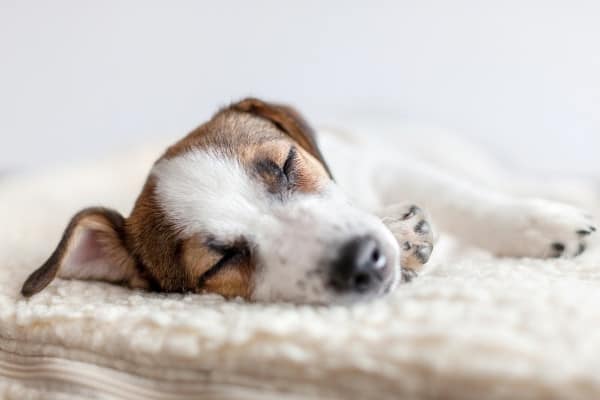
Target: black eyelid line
228 252
290 162
268 166
215 268
228 255
285 174
237 246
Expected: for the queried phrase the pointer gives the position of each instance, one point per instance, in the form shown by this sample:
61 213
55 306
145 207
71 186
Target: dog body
378 172
246 205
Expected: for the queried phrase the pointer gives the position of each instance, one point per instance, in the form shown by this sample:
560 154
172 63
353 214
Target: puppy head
246 206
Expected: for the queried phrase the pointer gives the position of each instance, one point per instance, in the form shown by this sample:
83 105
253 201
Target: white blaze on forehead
204 191
207 192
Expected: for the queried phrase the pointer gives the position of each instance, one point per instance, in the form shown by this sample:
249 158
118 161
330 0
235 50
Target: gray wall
81 78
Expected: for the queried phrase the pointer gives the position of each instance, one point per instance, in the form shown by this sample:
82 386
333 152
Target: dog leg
504 224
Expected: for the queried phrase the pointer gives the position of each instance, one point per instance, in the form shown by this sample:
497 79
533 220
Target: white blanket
470 327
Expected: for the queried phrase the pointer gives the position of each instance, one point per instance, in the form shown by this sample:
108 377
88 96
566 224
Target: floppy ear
288 120
93 247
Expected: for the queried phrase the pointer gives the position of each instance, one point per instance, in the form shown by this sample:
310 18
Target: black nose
360 266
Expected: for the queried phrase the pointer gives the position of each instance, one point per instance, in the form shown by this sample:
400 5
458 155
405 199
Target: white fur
294 240
465 205
203 191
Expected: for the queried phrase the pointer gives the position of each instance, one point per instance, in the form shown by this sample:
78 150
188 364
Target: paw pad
558 249
412 211
408 275
581 249
576 246
413 232
423 252
422 228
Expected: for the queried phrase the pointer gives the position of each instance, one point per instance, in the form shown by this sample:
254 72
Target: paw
407 275
412 230
546 229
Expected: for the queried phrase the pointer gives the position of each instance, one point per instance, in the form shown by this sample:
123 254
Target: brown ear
92 248
288 120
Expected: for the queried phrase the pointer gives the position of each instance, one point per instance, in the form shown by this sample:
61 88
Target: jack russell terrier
247 206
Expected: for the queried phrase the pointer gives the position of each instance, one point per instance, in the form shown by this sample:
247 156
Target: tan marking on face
228 130
232 280
197 258
310 176
287 120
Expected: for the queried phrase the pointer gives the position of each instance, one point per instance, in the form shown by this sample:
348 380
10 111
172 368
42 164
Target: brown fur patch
287 120
154 242
232 281
309 173
198 258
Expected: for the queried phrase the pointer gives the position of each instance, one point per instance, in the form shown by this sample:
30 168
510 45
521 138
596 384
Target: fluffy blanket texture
470 327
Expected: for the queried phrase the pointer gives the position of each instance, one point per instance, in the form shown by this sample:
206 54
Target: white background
81 78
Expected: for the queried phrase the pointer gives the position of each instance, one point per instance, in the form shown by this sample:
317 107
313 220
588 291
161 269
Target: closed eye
230 255
279 178
289 166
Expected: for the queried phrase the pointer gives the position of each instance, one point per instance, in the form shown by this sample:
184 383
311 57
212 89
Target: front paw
545 229
413 231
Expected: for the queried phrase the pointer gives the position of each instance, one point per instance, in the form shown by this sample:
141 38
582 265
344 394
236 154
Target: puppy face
243 206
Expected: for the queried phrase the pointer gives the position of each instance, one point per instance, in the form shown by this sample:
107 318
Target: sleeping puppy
247 206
